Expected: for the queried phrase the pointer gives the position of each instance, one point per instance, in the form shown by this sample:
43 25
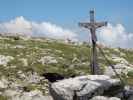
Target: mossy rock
130 73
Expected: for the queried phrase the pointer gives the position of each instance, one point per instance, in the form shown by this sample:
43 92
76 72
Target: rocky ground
91 87
25 62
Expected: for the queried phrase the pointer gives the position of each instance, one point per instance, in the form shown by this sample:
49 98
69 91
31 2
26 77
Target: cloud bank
116 36
112 35
24 27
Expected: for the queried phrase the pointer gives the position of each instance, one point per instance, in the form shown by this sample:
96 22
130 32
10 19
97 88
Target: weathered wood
92 26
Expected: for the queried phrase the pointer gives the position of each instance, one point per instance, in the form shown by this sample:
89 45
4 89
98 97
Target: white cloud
51 30
22 26
113 35
18 25
116 36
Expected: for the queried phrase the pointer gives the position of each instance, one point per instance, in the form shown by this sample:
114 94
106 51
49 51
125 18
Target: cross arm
85 25
100 24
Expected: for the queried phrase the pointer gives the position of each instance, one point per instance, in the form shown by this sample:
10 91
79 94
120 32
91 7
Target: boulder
85 87
129 92
105 98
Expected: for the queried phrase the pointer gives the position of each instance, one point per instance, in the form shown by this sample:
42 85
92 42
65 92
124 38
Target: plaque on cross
92 26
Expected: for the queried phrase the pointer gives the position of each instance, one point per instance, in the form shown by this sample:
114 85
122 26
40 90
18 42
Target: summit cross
92 26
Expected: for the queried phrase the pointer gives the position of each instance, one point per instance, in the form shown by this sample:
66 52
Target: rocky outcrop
85 87
104 98
48 60
27 86
32 95
122 67
5 59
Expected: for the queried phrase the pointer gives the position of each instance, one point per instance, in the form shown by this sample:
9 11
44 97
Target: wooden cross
92 26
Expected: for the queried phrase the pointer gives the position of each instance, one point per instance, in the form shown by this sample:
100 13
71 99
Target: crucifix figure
92 26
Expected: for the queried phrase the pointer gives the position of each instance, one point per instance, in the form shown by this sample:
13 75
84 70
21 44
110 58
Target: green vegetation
130 81
33 51
3 97
71 59
130 73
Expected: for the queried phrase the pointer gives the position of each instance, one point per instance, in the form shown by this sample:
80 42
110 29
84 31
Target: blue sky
60 18
68 12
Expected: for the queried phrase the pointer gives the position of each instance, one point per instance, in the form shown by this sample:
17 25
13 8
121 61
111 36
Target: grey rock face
130 98
129 92
84 87
104 98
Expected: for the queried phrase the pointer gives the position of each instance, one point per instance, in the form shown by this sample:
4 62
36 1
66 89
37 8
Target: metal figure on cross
92 26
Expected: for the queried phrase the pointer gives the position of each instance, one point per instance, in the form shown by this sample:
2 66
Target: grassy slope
64 54
34 50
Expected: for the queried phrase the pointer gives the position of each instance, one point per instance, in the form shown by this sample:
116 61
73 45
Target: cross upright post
92 26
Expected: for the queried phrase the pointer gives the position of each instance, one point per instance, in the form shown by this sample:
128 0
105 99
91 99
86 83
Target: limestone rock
24 61
48 60
32 95
104 98
18 47
122 67
5 59
3 83
84 87
129 92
